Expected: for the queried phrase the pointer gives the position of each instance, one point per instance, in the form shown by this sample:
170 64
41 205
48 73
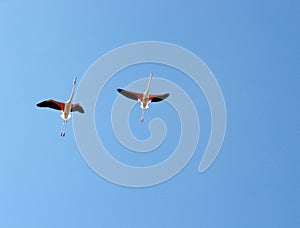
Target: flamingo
64 107
145 98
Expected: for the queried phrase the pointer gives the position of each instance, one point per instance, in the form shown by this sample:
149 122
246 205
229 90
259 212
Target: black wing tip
165 96
81 110
40 104
119 90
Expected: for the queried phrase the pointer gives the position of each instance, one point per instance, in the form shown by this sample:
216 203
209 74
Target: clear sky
253 49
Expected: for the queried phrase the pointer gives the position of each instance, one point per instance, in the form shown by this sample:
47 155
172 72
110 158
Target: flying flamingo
64 107
145 98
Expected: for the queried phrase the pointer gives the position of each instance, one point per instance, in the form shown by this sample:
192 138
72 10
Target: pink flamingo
64 107
145 98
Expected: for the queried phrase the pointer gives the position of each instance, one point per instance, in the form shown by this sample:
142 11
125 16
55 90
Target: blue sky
252 47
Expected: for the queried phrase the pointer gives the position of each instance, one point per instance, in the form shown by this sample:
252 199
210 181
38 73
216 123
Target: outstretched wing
131 95
52 104
158 97
77 108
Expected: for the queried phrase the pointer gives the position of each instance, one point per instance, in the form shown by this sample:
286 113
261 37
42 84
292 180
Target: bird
64 107
145 98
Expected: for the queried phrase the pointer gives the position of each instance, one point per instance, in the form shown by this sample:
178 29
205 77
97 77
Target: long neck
148 86
72 94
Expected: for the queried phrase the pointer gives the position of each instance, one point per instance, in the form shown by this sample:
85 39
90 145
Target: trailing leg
142 118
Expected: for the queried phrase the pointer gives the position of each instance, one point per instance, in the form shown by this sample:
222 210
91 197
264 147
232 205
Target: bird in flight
64 107
145 98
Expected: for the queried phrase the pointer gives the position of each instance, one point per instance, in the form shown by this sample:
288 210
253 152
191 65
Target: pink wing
131 95
52 104
77 108
158 97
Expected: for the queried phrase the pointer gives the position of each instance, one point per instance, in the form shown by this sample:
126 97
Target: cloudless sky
253 49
